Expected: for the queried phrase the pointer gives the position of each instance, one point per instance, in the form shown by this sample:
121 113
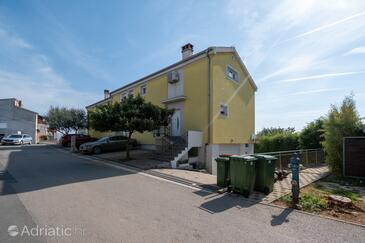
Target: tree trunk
127 149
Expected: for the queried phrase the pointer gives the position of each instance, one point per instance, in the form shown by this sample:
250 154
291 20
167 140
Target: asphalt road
67 198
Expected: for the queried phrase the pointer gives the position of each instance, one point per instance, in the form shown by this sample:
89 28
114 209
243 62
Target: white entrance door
176 123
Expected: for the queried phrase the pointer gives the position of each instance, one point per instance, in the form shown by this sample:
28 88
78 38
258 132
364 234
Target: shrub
277 142
308 201
311 136
312 203
341 122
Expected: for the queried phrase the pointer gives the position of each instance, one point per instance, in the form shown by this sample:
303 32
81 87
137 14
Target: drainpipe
209 93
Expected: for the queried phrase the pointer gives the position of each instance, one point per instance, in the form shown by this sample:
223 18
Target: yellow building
213 97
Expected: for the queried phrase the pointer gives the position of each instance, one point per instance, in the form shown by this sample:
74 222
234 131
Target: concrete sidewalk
142 159
281 188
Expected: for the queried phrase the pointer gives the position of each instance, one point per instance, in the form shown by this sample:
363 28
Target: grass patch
314 198
354 196
309 201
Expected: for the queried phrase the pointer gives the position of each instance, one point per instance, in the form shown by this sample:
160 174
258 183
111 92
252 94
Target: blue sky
303 55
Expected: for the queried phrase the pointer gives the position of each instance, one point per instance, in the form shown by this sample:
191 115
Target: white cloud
293 42
12 39
326 26
357 50
315 91
296 65
327 75
34 80
69 48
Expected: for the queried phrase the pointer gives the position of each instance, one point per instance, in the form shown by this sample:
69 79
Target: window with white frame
223 110
143 90
130 92
123 96
233 74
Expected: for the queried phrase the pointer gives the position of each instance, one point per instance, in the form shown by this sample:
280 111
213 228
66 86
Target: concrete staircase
170 149
169 153
173 149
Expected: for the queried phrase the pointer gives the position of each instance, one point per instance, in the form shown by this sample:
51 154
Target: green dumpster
242 173
265 169
223 171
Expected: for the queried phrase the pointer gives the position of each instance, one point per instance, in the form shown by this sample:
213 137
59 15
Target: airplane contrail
326 26
319 76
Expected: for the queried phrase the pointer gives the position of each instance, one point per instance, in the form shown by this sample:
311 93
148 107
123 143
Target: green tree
65 120
275 130
341 122
78 119
311 136
134 114
276 139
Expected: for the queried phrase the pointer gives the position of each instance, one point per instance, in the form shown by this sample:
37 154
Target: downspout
209 94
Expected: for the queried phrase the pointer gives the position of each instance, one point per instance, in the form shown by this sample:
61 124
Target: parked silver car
17 139
106 144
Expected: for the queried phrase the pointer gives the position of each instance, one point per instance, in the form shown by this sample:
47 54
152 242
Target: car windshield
103 139
15 136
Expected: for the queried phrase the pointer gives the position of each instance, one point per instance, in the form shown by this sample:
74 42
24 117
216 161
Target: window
123 96
223 110
130 92
143 90
233 74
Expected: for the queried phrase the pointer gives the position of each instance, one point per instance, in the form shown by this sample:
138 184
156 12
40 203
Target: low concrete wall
214 150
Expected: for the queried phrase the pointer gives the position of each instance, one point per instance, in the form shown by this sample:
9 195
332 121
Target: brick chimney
106 93
187 50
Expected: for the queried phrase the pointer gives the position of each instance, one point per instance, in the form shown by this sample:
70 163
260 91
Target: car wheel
22 142
97 150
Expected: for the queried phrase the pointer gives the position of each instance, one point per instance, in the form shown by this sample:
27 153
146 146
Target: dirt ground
322 189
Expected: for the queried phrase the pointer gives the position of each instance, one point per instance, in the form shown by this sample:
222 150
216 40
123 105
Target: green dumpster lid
265 156
249 157
222 158
226 155
245 157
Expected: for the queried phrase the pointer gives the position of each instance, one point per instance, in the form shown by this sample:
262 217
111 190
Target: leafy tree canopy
275 130
65 120
133 114
312 135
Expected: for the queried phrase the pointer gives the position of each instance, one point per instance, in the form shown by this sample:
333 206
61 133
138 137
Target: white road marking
123 167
